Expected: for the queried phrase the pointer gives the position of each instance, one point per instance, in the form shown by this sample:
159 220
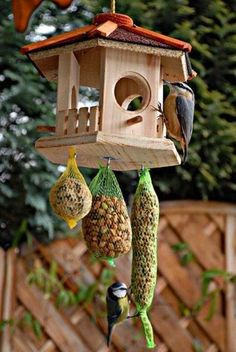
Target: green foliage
49 282
4 323
209 294
28 100
185 254
29 321
52 285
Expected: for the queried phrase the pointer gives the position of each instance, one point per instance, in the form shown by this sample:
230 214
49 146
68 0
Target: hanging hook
108 161
113 6
141 170
72 152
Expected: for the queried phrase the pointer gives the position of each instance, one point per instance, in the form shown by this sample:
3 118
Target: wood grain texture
230 246
2 279
94 119
172 61
57 327
68 82
9 298
129 153
204 249
178 285
177 338
139 75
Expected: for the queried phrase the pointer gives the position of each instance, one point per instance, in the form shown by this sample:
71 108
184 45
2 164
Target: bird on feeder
178 113
117 306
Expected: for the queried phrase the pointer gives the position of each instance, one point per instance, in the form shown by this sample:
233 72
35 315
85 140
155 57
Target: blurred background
27 100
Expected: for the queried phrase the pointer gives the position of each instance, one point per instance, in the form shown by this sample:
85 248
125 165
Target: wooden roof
112 26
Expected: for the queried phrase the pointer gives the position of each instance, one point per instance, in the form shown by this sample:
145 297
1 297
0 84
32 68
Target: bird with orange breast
178 112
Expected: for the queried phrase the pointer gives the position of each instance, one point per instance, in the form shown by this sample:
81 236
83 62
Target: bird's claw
133 316
159 110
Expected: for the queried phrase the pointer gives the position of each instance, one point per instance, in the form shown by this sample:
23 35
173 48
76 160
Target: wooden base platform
129 153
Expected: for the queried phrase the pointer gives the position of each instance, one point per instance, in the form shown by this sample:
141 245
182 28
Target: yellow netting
70 197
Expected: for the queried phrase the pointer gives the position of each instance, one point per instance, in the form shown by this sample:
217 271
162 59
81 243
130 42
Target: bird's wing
113 311
185 112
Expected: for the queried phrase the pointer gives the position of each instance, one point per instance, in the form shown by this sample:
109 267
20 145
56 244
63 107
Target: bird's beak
129 291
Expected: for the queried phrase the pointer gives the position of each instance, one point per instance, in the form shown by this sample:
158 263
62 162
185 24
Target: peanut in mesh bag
107 229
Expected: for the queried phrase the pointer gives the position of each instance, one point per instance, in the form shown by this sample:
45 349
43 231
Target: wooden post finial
113 6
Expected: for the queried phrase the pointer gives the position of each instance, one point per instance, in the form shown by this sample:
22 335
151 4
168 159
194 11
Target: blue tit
117 306
178 113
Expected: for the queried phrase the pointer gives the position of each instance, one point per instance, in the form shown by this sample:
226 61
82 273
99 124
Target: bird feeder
126 63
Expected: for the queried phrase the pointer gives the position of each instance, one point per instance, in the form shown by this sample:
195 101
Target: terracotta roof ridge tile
103 29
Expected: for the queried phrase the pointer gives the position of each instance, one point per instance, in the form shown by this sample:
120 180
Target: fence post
230 248
7 293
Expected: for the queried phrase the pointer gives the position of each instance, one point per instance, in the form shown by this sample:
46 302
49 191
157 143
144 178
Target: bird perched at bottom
117 306
178 111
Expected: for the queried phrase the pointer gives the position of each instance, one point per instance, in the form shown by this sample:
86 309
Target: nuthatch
178 114
117 306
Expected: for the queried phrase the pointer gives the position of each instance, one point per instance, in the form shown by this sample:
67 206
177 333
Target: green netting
105 183
144 221
107 228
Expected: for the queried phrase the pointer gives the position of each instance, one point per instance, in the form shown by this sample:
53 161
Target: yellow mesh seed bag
70 197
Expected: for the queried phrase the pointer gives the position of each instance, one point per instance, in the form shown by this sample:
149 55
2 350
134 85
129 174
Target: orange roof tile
125 23
58 39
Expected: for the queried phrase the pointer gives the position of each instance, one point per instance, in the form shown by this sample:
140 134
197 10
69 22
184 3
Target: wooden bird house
127 64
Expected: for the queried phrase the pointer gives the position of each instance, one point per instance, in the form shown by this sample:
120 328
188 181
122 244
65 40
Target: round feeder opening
132 93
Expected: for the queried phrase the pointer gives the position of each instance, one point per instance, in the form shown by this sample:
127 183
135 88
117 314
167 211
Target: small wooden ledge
129 152
46 128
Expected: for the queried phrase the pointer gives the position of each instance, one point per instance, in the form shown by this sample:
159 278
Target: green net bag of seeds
70 197
144 221
107 229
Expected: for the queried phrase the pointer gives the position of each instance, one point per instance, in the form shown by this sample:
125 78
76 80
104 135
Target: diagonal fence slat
56 325
206 251
177 338
207 229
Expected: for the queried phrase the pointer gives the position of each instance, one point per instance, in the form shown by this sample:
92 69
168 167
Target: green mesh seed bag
107 229
144 221
70 197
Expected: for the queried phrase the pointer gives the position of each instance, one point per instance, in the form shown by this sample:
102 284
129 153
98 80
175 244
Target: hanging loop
113 6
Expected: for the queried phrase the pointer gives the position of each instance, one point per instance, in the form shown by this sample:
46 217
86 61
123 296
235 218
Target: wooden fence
208 228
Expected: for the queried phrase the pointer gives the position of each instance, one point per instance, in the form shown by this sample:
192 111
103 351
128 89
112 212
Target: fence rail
208 228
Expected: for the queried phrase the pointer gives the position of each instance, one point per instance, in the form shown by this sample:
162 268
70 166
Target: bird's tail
110 328
185 153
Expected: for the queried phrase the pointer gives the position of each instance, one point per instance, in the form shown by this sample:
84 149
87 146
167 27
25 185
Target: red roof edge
123 21
64 37
178 44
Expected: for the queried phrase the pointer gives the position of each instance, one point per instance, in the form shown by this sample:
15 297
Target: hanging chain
113 6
